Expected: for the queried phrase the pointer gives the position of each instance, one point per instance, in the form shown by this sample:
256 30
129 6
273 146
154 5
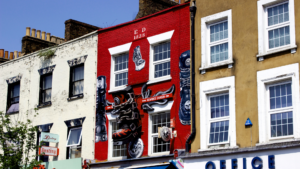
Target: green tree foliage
17 142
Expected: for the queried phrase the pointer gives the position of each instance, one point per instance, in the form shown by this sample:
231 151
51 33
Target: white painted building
62 110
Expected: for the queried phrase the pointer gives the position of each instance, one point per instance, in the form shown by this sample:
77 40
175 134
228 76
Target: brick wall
148 7
75 29
32 44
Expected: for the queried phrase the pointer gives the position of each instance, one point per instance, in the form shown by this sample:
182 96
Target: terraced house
246 84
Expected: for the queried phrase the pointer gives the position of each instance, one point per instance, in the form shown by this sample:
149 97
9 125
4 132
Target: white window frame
157 109
114 52
111 119
155 40
69 137
279 110
206 22
213 88
219 119
263 28
266 78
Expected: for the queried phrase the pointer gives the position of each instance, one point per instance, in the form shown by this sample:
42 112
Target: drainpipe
192 136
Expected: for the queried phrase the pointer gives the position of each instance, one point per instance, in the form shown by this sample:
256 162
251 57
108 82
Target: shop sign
139 33
49 137
49 151
256 163
151 99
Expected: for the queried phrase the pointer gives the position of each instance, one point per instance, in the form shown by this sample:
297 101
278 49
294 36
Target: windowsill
117 158
159 80
289 139
16 112
223 63
159 154
42 105
270 52
115 89
218 148
218 144
75 97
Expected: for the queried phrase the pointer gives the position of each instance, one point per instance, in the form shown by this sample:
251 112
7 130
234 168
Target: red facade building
143 85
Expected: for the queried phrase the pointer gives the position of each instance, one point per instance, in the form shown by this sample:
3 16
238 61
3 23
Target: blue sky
50 16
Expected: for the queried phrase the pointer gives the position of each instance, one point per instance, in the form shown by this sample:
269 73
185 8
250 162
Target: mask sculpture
137 59
101 131
147 93
185 103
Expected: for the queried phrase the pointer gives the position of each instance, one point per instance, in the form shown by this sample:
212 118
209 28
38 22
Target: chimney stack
27 31
1 53
20 54
33 32
48 36
11 56
6 54
43 35
15 54
38 34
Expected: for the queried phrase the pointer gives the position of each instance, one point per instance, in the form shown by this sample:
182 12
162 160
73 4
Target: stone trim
46 70
45 127
77 61
75 122
75 97
14 79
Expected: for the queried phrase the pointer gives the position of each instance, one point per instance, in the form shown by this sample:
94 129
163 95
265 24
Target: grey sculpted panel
77 61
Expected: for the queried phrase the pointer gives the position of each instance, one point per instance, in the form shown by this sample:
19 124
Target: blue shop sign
256 163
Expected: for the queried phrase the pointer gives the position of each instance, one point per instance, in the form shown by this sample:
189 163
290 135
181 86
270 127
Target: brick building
143 85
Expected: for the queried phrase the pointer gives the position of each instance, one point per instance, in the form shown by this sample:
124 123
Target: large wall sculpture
129 121
185 103
147 94
101 131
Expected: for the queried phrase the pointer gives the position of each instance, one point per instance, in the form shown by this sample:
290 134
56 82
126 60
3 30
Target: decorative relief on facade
101 131
45 127
46 70
137 59
75 122
146 94
14 79
136 148
185 103
128 118
77 61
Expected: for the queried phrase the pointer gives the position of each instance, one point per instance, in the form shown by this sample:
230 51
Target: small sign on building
49 137
49 151
151 99
140 33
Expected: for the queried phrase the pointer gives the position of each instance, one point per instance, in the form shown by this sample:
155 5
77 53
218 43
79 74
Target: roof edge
143 18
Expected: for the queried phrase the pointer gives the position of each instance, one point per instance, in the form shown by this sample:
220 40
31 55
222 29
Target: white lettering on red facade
140 33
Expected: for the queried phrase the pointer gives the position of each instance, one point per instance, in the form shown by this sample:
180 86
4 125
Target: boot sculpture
185 103
128 119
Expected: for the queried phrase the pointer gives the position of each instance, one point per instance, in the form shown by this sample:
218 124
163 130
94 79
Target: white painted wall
61 109
284 158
